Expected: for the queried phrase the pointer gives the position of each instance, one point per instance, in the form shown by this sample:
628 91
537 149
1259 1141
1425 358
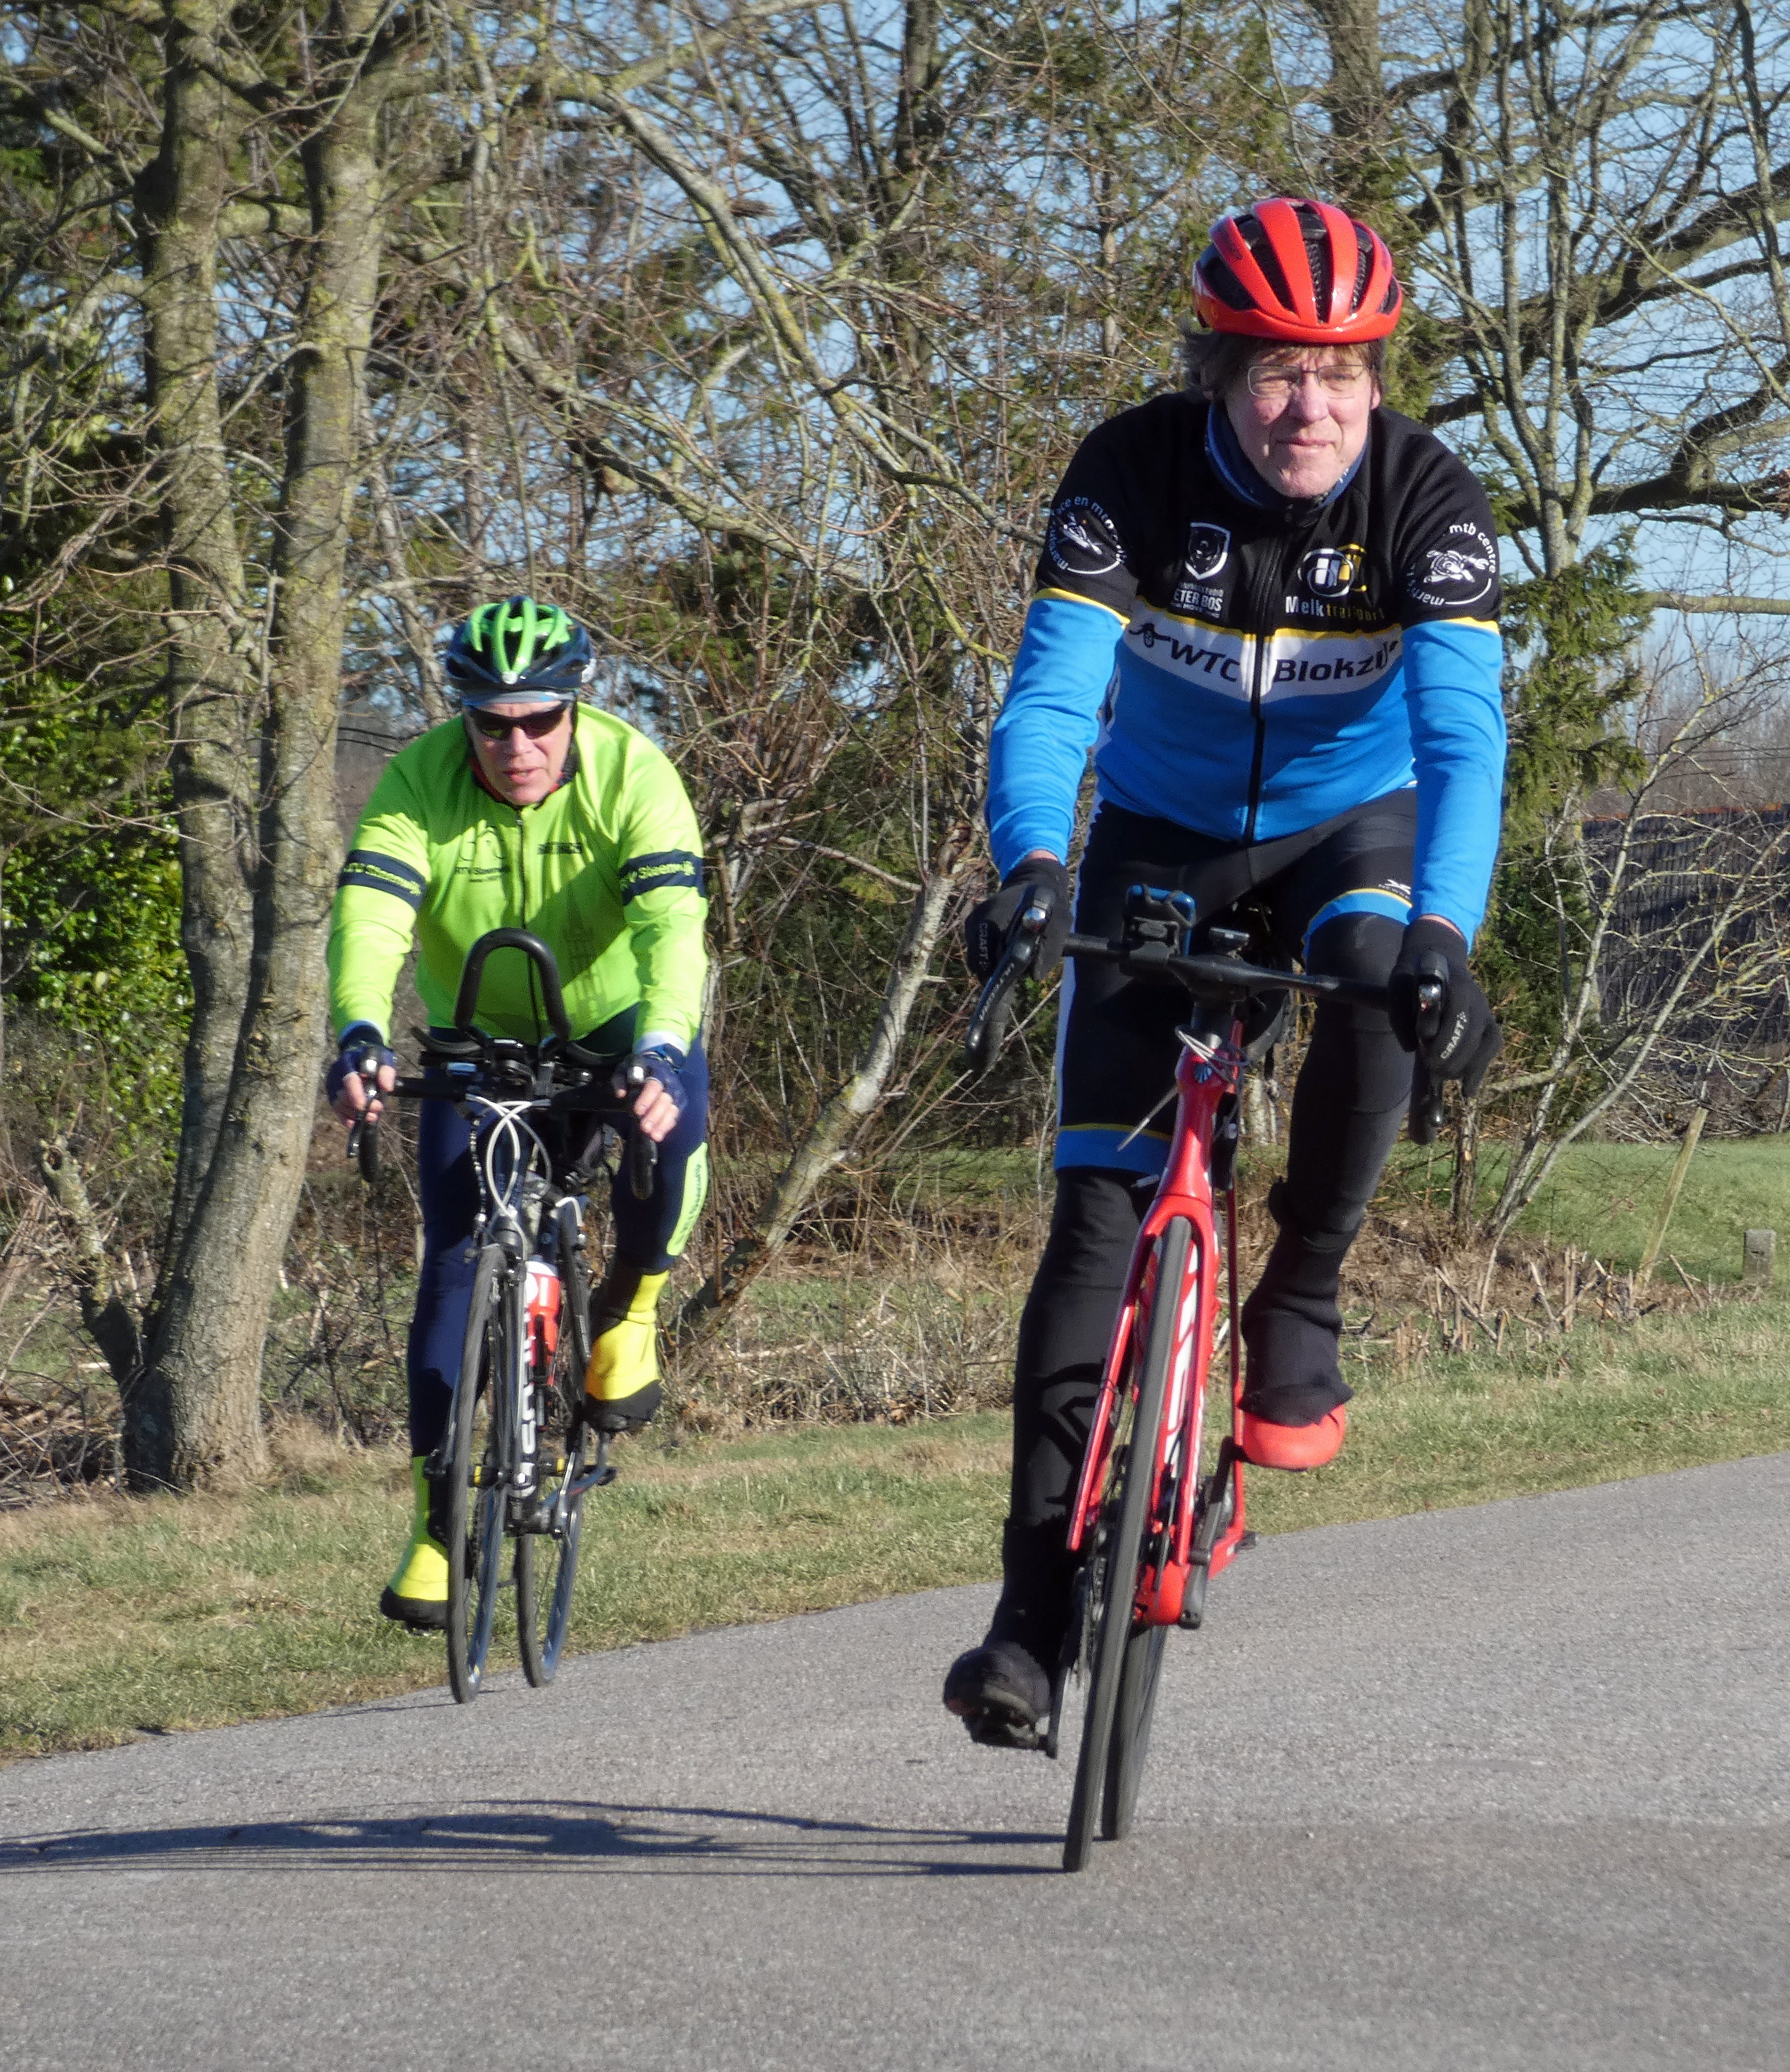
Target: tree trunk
1360 173
211 680
207 1332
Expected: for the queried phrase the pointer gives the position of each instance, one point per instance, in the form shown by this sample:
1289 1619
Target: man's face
1300 414
521 767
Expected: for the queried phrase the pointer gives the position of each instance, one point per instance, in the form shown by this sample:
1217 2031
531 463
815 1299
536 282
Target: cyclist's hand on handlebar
361 1058
1039 881
659 1096
1459 1037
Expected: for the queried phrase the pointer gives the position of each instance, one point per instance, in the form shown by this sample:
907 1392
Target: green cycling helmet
519 649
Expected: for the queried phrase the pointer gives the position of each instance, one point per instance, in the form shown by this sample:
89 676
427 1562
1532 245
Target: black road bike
519 1459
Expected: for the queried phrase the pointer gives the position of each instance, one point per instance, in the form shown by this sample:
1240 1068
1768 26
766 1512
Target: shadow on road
535 1836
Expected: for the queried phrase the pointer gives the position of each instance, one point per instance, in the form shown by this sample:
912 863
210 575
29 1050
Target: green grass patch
119 1615
122 1615
1604 1198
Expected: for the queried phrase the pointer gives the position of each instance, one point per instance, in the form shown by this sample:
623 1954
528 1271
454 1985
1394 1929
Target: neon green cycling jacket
607 870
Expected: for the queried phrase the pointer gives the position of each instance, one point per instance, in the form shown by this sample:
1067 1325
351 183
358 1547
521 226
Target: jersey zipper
1262 621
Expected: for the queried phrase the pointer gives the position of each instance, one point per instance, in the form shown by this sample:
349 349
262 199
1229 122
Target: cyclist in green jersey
528 810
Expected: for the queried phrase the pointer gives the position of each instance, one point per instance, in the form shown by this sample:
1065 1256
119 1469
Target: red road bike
1152 1520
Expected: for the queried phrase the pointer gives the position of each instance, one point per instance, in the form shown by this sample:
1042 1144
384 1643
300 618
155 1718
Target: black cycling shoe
419 1614
625 1413
1001 1693
1292 1326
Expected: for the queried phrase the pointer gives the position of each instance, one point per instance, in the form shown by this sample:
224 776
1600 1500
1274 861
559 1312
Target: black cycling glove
663 1063
1041 881
1461 1040
361 1049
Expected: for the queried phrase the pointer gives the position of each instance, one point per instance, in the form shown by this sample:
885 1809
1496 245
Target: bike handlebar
472 977
1207 975
641 1157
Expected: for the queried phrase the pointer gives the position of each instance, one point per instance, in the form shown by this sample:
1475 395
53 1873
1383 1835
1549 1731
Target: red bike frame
1207 1074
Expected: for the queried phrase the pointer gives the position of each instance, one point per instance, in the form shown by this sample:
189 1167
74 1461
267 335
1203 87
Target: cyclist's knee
1356 946
1094 1223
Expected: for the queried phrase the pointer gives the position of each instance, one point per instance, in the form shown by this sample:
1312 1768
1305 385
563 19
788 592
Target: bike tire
1139 1676
1130 1489
547 1563
476 1481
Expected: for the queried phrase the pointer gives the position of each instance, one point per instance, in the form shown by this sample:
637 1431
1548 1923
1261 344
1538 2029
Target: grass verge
119 1616
1606 1197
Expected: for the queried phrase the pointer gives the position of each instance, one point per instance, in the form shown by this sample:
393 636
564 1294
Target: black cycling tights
1118 1059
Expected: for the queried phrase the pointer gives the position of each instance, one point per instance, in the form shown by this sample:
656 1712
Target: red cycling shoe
1293 1446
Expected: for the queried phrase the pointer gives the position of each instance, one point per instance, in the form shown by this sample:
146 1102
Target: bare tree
253 652
1670 938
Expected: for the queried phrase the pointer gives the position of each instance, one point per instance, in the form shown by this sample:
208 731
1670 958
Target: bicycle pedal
1001 1730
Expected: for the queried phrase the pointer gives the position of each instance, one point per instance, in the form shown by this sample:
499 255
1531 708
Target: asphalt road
1476 1789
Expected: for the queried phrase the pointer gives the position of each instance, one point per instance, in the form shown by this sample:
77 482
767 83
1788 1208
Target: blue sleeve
1039 748
1455 698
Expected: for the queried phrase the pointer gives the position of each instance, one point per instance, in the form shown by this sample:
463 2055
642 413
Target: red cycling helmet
1300 271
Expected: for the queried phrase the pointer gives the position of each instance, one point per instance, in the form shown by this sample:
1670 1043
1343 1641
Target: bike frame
1172 1592
515 1418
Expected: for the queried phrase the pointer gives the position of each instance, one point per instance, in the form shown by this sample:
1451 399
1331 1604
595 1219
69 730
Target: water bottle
544 1313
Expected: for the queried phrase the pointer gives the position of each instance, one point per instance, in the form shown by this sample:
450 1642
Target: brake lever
640 1156
986 1035
1424 1123
1432 993
363 1145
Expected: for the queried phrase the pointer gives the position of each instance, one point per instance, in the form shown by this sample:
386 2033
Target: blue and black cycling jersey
1249 668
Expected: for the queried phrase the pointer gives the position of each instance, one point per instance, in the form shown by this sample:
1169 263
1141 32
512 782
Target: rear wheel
546 1562
1115 1735
475 1475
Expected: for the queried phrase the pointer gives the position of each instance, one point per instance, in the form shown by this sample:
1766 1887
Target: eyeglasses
1270 383
537 725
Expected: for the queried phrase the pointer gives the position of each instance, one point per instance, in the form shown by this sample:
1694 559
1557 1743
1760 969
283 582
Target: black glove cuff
1428 932
1042 870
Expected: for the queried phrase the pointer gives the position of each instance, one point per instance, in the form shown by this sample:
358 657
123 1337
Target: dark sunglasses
492 727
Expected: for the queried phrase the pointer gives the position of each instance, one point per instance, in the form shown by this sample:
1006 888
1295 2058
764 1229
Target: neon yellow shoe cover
418 1592
624 1360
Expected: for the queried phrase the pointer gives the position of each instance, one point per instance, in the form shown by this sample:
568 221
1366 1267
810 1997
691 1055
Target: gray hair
1215 361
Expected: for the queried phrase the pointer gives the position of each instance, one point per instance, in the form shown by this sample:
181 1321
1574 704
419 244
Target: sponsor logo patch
1332 571
1081 539
1301 665
1208 549
1459 572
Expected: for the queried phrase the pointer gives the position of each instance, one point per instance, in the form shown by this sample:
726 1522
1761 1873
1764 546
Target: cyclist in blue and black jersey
1269 605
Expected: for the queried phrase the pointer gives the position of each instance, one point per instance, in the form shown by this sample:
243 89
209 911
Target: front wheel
1116 1734
546 1562
1138 1679
476 1475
